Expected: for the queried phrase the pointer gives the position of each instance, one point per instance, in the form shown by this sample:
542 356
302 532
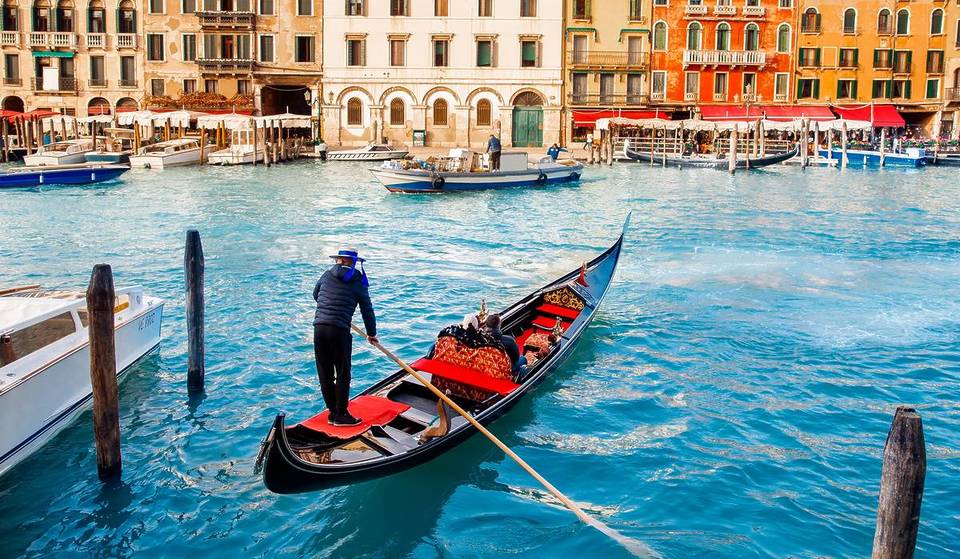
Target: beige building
75 57
447 72
267 49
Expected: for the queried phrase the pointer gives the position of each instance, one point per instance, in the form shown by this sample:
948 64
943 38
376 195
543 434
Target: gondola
398 411
706 163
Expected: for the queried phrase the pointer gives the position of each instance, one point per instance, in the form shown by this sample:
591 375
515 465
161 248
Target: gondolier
338 293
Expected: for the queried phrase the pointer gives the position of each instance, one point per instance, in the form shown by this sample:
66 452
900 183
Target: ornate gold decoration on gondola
558 328
482 315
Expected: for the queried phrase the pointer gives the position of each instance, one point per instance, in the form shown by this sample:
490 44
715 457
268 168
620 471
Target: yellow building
269 50
607 62
885 52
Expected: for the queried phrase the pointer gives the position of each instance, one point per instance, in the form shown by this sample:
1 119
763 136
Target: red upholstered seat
466 376
548 323
370 410
557 310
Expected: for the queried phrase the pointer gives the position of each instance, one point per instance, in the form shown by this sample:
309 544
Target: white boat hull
42 403
165 160
234 157
55 158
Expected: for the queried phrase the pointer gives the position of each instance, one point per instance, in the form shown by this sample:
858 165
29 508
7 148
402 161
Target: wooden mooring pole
901 487
103 372
193 266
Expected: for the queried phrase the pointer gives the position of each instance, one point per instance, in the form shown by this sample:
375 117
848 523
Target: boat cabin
171 147
117 140
68 147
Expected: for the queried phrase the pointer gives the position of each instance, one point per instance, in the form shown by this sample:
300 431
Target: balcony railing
96 40
226 65
952 93
695 10
725 10
719 96
689 96
658 96
12 81
595 99
779 97
128 83
725 57
62 85
126 40
754 11
226 19
609 59
97 83
53 40
9 38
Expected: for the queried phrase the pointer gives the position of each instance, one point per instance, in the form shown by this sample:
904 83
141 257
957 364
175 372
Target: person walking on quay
493 148
338 293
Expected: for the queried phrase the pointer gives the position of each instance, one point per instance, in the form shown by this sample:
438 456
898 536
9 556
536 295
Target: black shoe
343 420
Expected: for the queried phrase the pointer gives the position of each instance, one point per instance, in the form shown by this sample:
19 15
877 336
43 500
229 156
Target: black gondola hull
702 163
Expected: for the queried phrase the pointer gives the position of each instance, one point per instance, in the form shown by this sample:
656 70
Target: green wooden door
527 127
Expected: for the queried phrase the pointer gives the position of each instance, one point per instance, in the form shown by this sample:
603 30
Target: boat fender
574 177
438 182
542 179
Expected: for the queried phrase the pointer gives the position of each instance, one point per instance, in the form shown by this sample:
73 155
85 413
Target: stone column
505 128
462 121
376 123
331 124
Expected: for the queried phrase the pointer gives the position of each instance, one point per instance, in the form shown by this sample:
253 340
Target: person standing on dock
494 148
338 293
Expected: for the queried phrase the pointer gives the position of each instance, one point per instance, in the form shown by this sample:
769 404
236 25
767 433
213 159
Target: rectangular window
189 47
634 88
156 87
635 51
266 52
154 47
398 48
441 8
304 7
243 47
240 6
849 58
881 89
399 7
528 8
188 6
304 51
846 89
11 67
211 46
243 87
659 3
808 88
485 8
720 86
934 61
155 6
901 89
529 54
267 7
902 61
579 49
749 86
209 86
354 8
485 53
691 88
933 89
579 88
356 52
883 58
786 3
128 75
189 86
97 75
658 85
636 9
809 57
607 85
781 87
441 51
581 9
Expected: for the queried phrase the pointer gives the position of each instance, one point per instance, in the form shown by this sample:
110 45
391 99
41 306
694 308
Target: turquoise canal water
730 400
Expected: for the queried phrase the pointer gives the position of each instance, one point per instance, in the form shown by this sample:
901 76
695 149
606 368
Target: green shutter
816 88
529 51
133 21
816 57
876 57
839 89
906 89
483 53
932 89
856 57
118 20
817 28
909 60
853 91
889 92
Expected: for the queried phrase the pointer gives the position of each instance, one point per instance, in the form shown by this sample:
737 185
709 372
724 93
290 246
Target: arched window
354 112
528 99
440 112
41 16
850 21
694 36
783 38
483 112
723 36
811 21
884 24
96 17
398 115
126 17
751 37
903 22
64 14
936 22
660 36
98 106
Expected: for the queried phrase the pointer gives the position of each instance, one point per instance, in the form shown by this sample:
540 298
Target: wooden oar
18 289
638 549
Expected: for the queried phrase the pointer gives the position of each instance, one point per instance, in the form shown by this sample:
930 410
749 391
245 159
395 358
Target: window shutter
856 58
816 57
889 89
839 89
817 23
909 60
906 89
853 90
589 12
816 89
876 57
133 21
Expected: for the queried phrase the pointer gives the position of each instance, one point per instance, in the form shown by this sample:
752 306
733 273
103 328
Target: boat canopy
592 117
103 119
134 117
230 121
286 120
19 312
176 118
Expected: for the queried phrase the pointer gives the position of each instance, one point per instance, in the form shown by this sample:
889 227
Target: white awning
286 120
106 119
176 118
128 118
230 121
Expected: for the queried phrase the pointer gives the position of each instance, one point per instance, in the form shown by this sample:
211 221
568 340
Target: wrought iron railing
226 19
62 85
597 99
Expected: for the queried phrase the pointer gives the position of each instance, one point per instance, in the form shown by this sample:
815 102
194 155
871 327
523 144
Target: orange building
721 53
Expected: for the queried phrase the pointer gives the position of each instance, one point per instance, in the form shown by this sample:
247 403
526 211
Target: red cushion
464 375
549 323
370 410
557 310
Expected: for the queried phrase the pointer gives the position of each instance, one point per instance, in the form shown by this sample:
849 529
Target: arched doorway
276 99
527 120
98 106
12 103
127 104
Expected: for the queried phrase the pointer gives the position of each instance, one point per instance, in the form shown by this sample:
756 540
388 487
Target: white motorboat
171 153
61 153
45 360
240 152
370 152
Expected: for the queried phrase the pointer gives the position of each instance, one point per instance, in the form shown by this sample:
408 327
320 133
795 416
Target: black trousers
332 348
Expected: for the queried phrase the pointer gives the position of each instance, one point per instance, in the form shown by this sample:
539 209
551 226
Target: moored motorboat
370 152
116 146
241 150
945 159
914 157
45 360
398 411
463 170
61 153
45 175
171 153
699 162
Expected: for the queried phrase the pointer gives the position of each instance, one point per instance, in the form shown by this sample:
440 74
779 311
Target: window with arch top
694 36
440 112
660 36
723 36
783 38
936 22
483 112
811 21
751 37
397 112
850 21
903 22
354 112
884 22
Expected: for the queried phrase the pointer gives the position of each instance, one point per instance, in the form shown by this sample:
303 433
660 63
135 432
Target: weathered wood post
883 146
829 145
203 144
843 146
63 129
27 135
103 372
255 151
805 144
733 150
901 487
6 141
816 139
193 267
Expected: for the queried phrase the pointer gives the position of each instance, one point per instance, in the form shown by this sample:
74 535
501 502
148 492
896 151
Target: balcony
724 57
9 38
609 59
127 83
725 10
719 96
695 10
606 100
62 85
231 20
126 40
226 65
96 40
952 94
43 39
754 11
658 96
689 96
